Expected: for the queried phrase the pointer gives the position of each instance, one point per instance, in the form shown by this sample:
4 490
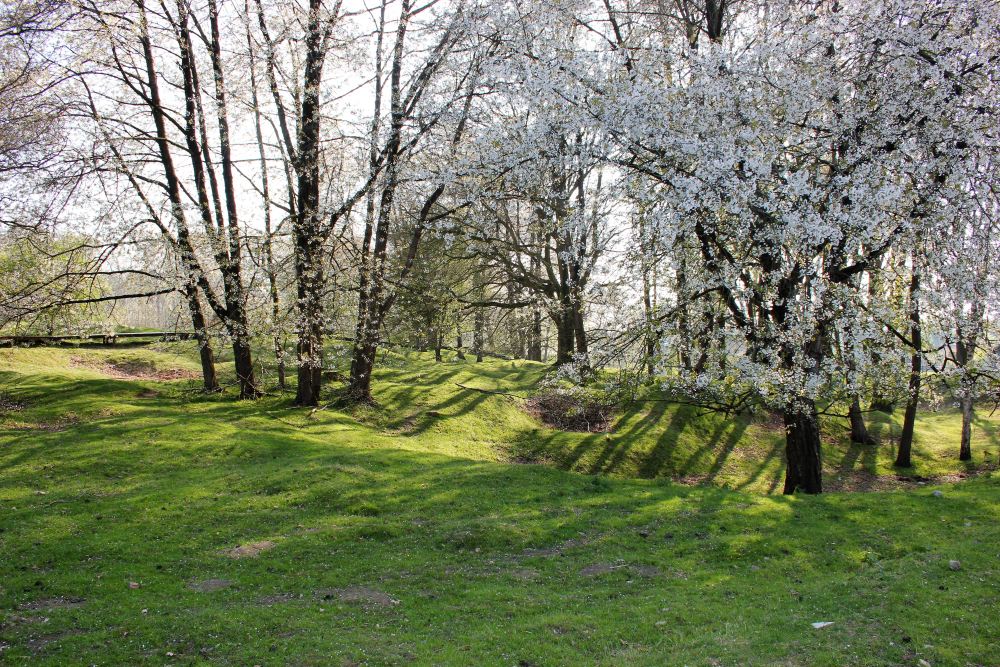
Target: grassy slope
402 537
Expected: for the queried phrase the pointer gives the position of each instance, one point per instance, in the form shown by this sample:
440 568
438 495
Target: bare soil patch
277 598
524 573
571 412
557 550
210 585
46 604
60 424
133 369
250 549
360 594
860 481
8 404
598 569
38 644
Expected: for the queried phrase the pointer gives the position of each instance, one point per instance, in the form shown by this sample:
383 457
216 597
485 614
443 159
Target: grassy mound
144 523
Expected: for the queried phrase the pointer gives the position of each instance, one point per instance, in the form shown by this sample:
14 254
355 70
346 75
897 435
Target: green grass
404 535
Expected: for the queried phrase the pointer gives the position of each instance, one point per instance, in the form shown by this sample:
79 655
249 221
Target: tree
794 167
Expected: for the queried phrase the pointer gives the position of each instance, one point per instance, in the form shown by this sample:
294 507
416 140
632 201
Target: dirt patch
8 404
46 604
645 570
570 411
598 569
524 573
38 644
359 594
691 480
16 619
278 598
148 393
250 549
209 585
557 550
132 369
54 426
860 481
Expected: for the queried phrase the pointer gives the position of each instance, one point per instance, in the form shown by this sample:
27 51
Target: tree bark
903 455
269 268
802 449
565 335
208 373
478 333
965 451
306 230
458 341
859 432
535 344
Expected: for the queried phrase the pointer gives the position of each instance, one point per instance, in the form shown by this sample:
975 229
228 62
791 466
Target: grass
404 534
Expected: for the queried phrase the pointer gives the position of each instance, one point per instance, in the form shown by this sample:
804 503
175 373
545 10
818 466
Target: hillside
144 523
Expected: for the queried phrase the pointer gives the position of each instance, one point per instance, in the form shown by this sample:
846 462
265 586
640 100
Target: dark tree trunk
647 308
362 365
458 341
565 336
965 451
209 376
804 471
683 325
963 353
243 361
369 326
226 239
859 432
903 456
438 344
578 329
306 230
265 187
477 333
309 353
535 345
183 242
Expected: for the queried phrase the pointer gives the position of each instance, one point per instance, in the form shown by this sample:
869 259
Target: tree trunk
209 376
362 365
578 329
438 344
477 334
243 362
903 456
458 341
859 432
647 311
804 470
965 452
227 254
684 344
272 279
306 228
565 322
535 346
309 353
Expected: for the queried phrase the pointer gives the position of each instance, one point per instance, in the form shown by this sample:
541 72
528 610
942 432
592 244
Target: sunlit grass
403 535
